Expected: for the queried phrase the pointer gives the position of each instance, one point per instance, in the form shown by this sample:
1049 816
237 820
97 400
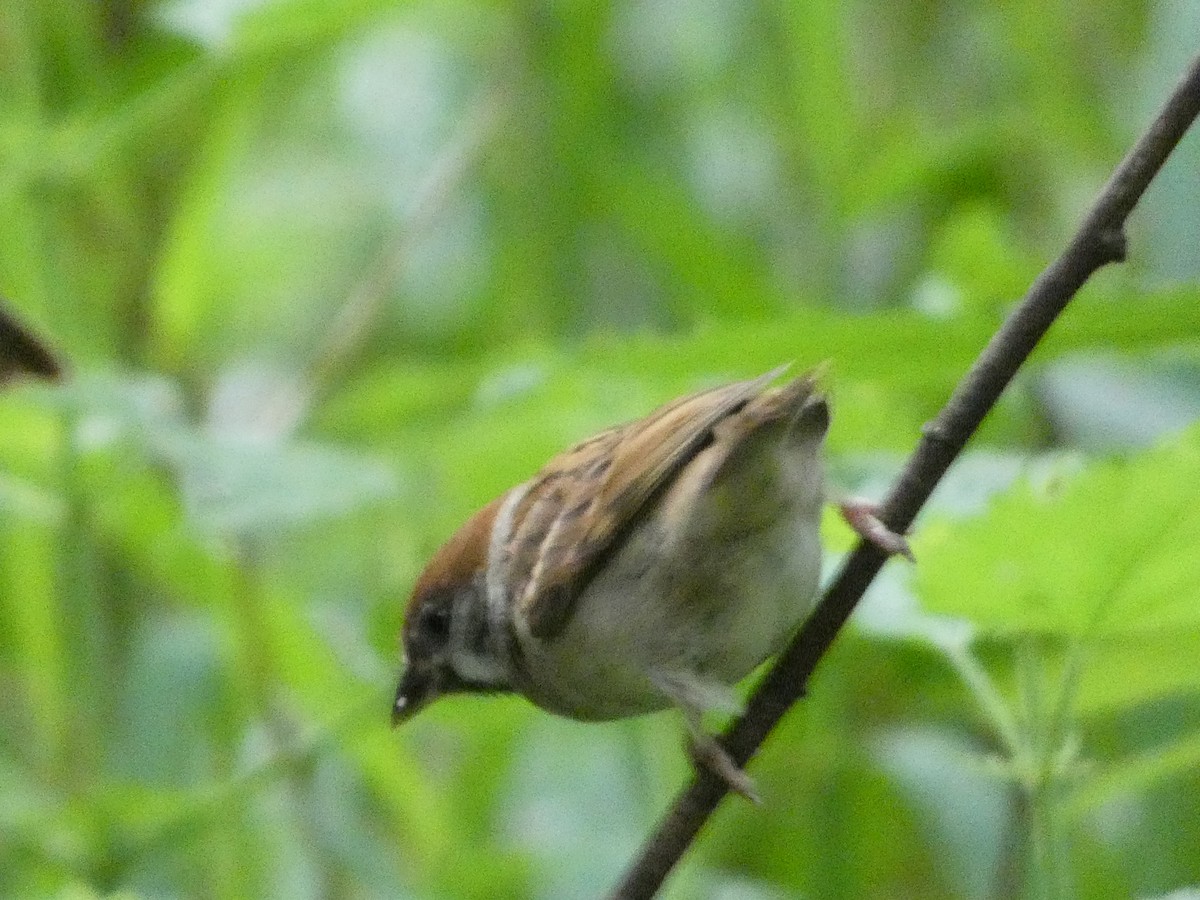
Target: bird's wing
581 504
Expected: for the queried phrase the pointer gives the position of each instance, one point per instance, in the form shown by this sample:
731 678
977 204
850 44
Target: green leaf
1107 552
243 486
965 805
1120 673
1141 772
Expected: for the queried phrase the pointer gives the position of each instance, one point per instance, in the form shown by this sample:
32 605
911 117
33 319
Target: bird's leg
693 695
863 516
707 753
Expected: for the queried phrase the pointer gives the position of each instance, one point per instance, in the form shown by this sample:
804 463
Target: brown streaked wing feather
545 502
572 533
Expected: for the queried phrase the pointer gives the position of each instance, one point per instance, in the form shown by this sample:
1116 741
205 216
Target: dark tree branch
1100 240
22 352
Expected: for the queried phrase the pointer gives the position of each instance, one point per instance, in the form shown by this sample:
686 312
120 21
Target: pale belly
713 611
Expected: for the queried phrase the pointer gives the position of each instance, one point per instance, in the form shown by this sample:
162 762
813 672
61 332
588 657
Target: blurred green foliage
331 274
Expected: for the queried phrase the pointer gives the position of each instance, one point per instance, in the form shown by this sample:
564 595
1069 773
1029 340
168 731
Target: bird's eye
434 624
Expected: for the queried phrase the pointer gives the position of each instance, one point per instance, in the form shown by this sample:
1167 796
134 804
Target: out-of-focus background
331 274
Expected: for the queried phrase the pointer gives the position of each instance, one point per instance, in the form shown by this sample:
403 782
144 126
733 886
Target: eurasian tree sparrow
651 566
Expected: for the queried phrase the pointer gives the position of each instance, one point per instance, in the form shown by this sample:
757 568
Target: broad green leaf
236 486
1120 672
1107 552
1128 776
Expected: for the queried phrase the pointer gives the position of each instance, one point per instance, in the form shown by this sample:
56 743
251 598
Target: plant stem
1040 778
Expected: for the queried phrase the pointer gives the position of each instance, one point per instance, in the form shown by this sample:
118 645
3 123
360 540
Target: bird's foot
863 516
707 753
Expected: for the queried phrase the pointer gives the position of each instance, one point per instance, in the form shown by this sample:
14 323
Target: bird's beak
415 691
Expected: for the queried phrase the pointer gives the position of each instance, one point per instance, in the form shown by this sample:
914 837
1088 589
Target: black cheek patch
479 640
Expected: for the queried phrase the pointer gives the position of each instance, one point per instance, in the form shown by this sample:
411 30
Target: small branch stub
1115 244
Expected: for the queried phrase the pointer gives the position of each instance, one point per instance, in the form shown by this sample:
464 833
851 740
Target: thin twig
354 320
1099 241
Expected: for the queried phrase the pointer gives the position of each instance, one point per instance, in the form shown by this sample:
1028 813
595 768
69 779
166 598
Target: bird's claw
863 516
707 753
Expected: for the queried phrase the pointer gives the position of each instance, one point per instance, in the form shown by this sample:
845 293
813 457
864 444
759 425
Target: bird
651 566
